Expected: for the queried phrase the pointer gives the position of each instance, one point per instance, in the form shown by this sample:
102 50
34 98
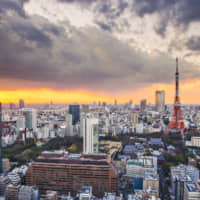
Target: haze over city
93 50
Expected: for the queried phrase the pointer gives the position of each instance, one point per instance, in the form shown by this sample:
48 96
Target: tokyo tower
176 122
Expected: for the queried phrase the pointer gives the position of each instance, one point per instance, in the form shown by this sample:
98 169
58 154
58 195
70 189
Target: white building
69 126
138 167
160 101
195 141
30 118
89 130
20 123
192 191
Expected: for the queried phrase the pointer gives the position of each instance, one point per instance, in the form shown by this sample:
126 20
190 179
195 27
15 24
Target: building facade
63 172
160 101
74 110
89 131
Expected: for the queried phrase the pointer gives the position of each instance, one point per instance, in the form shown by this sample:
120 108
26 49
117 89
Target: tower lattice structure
176 120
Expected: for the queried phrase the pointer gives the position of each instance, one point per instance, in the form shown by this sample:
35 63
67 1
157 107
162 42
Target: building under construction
63 172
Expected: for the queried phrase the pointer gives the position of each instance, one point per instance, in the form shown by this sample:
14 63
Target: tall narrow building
176 122
0 138
89 131
30 118
160 101
21 103
143 105
74 110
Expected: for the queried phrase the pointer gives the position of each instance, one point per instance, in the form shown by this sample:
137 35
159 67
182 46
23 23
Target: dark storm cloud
16 6
193 43
179 12
64 57
143 7
104 26
31 33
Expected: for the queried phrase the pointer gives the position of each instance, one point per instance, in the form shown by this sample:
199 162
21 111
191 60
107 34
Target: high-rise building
134 118
69 126
143 105
115 102
12 106
5 164
63 172
74 110
0 138
85 108
30 118
21 103
89 131
160 101
20 123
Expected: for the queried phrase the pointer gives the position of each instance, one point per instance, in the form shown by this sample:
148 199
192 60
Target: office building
5 164
63 172
12 106
192 191
74 110
12 192
85 193
51 195
89 131
4 182
195 141
160 101
181 175
143 105
30 115
69 126
20 123
26 193
134 118
138 167
21 103
151 182
85 108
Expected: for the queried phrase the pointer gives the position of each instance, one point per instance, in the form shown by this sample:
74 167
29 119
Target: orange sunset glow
189 95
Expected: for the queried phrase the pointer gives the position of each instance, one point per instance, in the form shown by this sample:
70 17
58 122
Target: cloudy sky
86 50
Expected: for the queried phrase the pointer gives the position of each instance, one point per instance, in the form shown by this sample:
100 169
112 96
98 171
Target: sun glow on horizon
189 94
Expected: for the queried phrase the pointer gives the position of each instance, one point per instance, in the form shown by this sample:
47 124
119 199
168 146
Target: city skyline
98 50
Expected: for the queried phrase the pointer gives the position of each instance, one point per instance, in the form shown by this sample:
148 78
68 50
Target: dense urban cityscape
99 100
101 151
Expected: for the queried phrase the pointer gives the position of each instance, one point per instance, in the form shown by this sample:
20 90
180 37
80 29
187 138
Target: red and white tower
177 120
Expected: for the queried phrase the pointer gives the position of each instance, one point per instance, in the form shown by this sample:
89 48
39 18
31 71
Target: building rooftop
156 141
65 157
192 188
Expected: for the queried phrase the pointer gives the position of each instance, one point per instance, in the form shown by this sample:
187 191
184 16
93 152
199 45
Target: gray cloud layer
33 49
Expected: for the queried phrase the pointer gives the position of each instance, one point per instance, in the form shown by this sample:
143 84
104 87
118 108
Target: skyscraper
30 118
134 118
69 127
160 101
21 103
89 131
143 104
74 110
0 138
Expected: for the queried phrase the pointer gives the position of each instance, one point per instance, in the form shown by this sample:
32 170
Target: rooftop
65 157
